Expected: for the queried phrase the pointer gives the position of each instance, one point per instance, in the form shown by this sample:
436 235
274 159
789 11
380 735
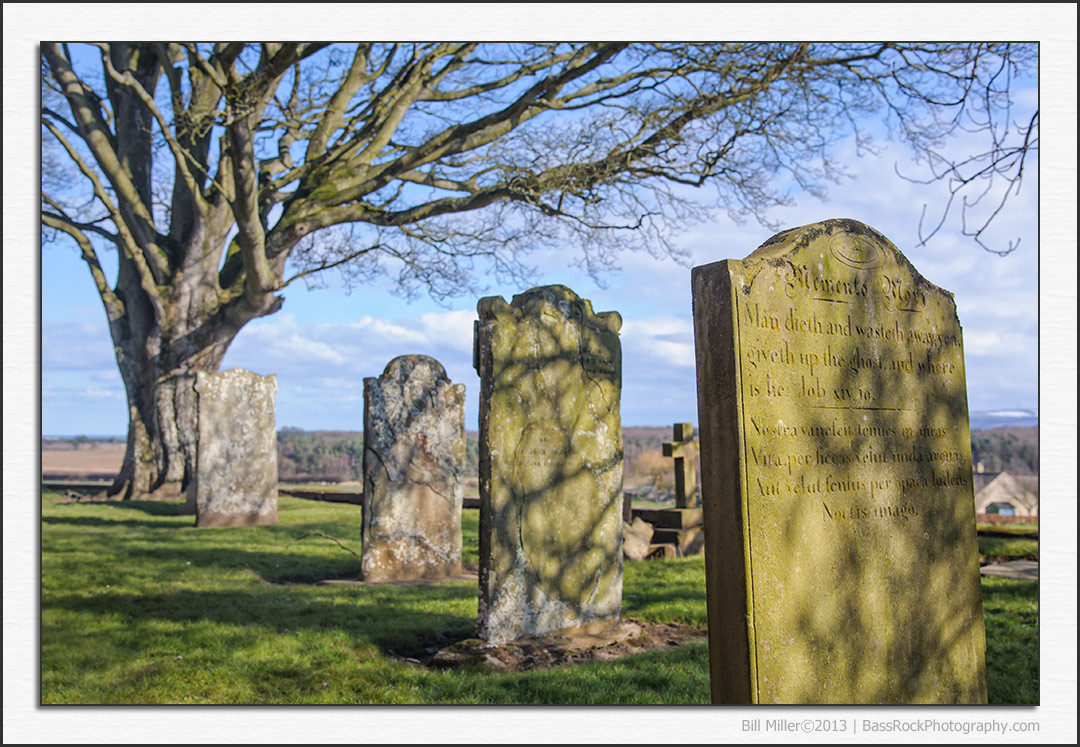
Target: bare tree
221 173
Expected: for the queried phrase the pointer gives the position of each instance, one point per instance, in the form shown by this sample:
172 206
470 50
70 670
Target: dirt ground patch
630 637
93 460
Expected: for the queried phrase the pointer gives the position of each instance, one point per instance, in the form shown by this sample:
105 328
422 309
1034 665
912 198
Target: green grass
138 606
1008 548
1025 530
1011 611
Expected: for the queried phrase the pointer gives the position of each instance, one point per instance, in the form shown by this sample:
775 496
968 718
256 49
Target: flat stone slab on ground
1024 569
690 541
670 518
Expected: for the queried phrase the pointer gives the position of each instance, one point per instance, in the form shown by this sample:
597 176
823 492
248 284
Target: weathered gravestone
550 465
236 457
842 564
414 472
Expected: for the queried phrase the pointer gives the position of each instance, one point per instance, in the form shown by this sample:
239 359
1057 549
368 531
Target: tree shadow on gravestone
873 576
414 472
565 480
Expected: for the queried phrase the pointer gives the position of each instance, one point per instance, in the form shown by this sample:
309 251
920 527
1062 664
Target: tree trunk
158 360
163 426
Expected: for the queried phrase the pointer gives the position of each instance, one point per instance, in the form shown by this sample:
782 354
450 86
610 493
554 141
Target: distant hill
985 419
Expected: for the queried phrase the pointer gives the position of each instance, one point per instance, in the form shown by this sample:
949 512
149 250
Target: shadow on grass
660 598
95 521
276 567
1012 590
671 675
391 619
154 508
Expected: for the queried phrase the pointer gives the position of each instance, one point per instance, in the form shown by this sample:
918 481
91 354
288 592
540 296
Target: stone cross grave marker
678 531
414 472
684 450
550 465
236 456
842 564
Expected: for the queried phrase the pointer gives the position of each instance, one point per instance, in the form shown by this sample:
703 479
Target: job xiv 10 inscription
847 503
836 378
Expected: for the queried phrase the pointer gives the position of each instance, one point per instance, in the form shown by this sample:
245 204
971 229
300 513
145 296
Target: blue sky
1001 293
324 342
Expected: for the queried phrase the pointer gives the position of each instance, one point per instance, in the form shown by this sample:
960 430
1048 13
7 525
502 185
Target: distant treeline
337 456
1013 449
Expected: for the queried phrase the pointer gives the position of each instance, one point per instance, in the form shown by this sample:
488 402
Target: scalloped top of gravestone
414 472
236 457
550 465
836 476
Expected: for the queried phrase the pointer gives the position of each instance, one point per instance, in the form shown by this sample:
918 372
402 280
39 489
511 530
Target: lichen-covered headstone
842 564
414 472
236 472
550 465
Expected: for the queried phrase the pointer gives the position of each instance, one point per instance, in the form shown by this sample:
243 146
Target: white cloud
452 328
312 349
383 328
982 343
658 342
76 346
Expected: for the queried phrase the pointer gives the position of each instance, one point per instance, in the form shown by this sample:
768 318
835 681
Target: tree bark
159 354
163 426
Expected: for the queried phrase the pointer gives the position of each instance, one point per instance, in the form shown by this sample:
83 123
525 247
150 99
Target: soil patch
89 460
629 638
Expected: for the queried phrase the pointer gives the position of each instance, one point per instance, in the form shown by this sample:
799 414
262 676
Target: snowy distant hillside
1004 419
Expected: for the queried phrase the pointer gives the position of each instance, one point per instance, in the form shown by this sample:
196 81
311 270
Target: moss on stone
551 464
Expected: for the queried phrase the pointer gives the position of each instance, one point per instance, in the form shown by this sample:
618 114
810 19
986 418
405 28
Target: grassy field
137 606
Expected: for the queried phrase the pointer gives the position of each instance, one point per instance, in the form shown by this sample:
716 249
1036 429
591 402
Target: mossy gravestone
236 457
841 561
550 465
414 472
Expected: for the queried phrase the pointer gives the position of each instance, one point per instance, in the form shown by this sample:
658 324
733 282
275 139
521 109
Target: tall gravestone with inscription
842 564
550 465
414 472
236 456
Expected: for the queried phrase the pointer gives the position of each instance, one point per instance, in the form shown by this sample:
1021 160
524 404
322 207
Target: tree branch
127 244
114 307
180 155
95 134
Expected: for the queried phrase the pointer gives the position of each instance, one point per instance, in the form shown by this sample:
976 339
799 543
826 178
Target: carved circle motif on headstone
856 251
